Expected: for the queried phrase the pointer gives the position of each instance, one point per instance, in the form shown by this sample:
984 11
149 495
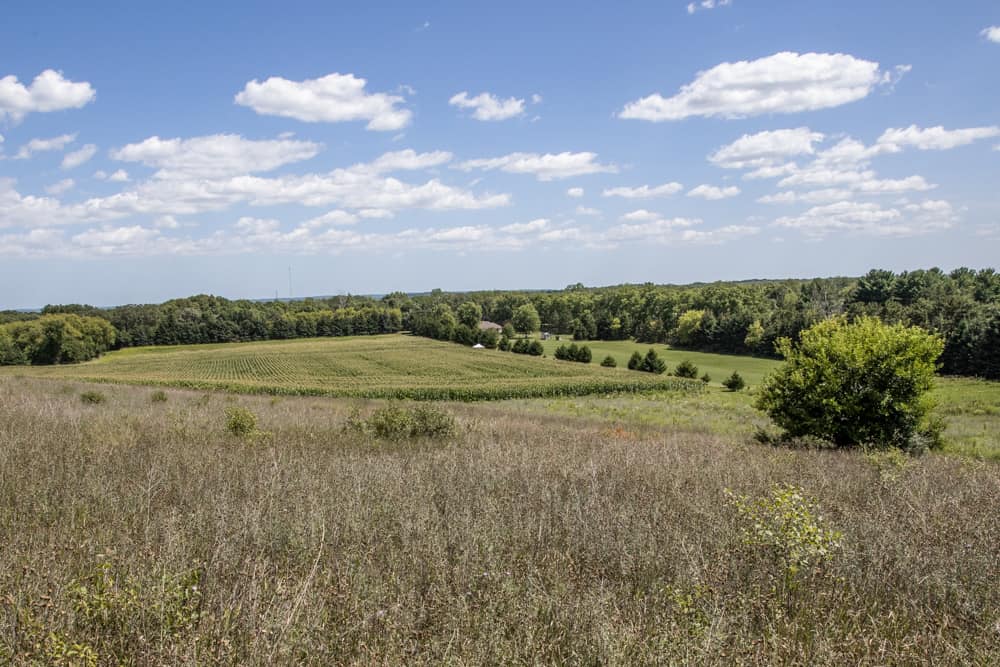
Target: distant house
489 326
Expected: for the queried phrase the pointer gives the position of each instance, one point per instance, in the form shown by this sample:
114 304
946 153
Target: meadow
399 366
137 530
569 523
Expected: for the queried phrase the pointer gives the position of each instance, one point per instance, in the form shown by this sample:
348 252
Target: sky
257 149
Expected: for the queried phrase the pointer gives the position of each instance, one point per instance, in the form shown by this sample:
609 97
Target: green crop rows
390 366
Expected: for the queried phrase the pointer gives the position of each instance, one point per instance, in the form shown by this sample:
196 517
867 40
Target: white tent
478 346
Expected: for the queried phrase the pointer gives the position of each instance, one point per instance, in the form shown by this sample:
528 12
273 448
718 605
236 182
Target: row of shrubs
522 346
580 353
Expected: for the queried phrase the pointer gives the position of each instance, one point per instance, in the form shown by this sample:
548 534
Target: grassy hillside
136 529
390 366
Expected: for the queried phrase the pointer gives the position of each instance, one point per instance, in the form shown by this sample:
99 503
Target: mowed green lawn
718 366
390 366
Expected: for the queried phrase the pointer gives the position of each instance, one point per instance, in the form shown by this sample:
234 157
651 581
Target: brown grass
141 532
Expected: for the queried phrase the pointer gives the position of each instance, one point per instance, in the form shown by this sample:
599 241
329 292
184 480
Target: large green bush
862 382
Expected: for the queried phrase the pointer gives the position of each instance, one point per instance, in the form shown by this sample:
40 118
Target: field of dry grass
138 531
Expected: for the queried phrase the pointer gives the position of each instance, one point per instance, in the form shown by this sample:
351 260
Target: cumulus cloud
41 145
60 187
822 196
117 176
766 148
586 210
872 219
675 231
992 33
363 188
215 155
574 192
332 98
820 176
547 167
50 91
408 160
641 215
713 192
644 191
934 138
76 158
785 82
487 106
706 4
538 225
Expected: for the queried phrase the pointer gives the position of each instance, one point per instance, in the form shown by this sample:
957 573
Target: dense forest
962 306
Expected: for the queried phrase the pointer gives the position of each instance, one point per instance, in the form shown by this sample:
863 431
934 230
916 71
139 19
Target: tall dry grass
142 532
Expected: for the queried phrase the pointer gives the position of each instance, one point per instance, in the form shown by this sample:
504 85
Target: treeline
55 339
962 306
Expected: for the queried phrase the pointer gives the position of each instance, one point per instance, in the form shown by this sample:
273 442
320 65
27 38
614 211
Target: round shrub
853 383
241 422
609 362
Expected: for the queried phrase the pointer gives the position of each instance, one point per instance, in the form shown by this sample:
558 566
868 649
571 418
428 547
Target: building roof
485 325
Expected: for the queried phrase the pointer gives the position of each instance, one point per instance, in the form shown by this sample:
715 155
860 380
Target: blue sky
153 152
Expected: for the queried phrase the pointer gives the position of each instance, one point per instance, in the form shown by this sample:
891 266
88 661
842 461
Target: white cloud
166 222
60 187
48 92
361 188
766 148
215 155
810 197
673 231
775 171
872 219
645 191
487 106
332 218
76 158
706 4
934 138
820 176
332 98
408 160
992 33
785 82
575 192
713 192
118 176
641 215
536 99
585 210
545 167
539 225
40 145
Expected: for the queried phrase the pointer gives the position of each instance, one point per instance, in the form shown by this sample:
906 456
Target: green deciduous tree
469 314
854 383
526 319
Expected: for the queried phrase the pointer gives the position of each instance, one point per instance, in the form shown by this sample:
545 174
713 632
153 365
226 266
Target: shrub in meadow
734 382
